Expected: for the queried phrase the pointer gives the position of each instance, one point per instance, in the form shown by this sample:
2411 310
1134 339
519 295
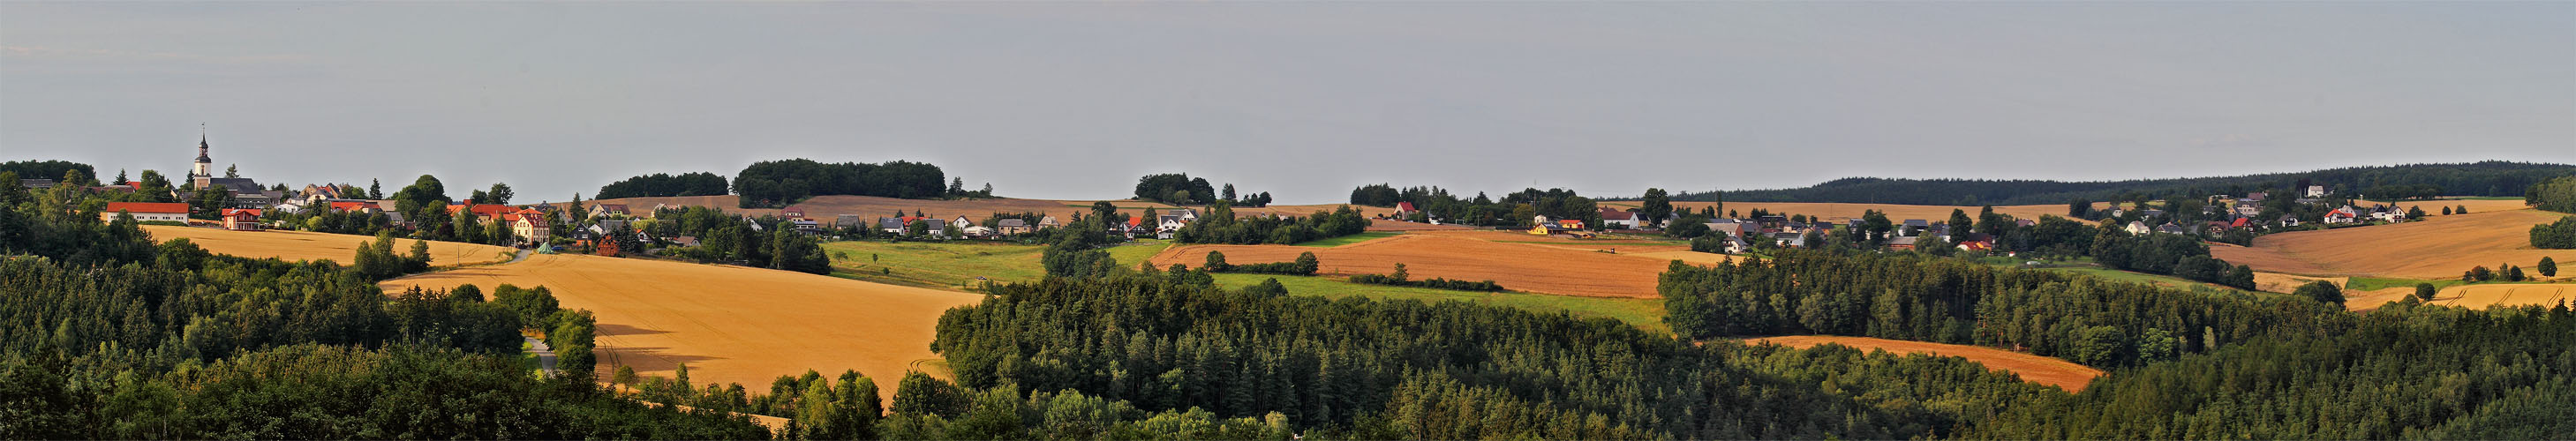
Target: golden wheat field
300 245
730 324
2440 247
2032 368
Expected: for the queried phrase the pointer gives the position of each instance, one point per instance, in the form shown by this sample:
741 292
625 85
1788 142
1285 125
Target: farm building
146 211
1620 219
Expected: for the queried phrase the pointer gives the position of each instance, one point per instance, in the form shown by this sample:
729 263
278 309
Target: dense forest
1181 189
2490 178
664 184
1404 369
110 335
765 242
771 184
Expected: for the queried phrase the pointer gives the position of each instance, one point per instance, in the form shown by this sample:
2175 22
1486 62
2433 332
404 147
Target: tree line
665 184
1220 225
2488 178
2083 319
771 184
765 242
1515 209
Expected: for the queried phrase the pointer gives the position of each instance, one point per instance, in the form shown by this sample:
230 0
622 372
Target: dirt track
2032 368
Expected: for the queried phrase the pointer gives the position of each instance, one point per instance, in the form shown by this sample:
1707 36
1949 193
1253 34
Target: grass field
951 265
729 324
1547 269
1647 314
2159 280
1131 253
2032 368
1346 240
2379 283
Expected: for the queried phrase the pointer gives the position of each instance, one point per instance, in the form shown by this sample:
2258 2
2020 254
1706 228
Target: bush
1305 265
1400 278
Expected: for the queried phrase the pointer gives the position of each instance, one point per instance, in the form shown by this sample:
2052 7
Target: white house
2316 191
146 211
1619 219
2136 228
2343 215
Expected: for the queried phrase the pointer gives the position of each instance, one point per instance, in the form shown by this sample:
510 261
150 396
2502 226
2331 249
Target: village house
1172 220
241 219
791 212
1405 210
807 226
2385 213
2248 209
2171 228
2316 191
2137 228
1048 222
2343 215
2288 221
1913 227
961 222
892 225
1902 243
1012 226
605 210
529 225
146 211
1619 219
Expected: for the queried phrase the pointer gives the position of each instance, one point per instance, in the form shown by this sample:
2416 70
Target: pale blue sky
1305 100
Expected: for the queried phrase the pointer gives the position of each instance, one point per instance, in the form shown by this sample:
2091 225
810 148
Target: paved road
545 354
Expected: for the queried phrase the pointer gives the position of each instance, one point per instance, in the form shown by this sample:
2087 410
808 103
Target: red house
241 219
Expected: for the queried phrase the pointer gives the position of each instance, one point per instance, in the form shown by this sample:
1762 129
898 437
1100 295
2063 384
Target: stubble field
730 324
2032 368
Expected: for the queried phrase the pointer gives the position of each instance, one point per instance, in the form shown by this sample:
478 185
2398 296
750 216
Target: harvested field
2285 283
2032 368
730 324
303 245
1686 256
1837 212
1519 267
2440 247
2481 296
1621 244
829 207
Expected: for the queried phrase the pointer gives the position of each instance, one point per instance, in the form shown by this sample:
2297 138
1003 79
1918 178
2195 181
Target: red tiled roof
352 205
482 210
1134 221
147 207
1404 206
228 212
1611 214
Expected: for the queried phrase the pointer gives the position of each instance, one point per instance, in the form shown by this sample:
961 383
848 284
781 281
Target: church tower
205 165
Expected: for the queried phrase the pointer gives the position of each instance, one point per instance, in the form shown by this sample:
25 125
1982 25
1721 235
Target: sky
1302 99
